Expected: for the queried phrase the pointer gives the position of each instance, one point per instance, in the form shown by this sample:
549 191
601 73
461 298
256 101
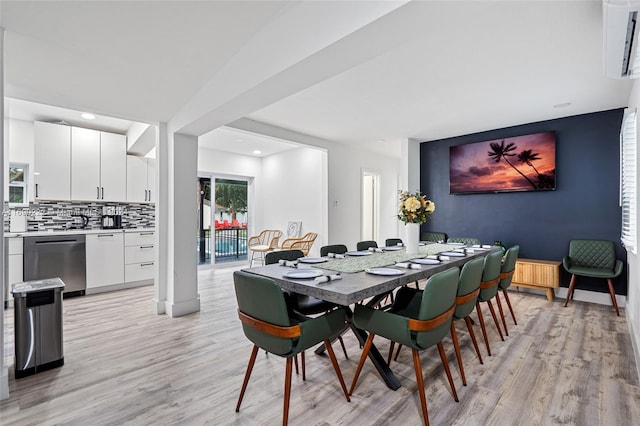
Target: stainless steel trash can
38 326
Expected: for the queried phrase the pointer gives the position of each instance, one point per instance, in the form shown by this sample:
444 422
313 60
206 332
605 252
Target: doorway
370 205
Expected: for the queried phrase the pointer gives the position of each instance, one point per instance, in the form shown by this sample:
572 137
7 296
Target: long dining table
357 285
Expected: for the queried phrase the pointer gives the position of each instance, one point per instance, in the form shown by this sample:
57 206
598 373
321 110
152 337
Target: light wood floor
124 365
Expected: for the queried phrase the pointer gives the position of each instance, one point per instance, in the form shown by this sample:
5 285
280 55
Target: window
18 177
628 156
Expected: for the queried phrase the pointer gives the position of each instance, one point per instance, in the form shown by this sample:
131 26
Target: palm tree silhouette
527 157
500 151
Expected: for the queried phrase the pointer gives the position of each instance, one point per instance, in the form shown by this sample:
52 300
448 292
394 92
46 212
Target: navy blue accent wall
584 204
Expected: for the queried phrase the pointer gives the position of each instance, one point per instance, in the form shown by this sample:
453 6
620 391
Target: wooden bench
537 274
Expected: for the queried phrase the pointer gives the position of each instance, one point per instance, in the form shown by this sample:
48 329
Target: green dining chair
389 242
270 325
421 324
592 258
470 241
366 245
489 290
333 248
468 291
506 275
435 237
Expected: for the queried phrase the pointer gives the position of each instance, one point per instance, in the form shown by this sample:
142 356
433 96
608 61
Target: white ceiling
355 72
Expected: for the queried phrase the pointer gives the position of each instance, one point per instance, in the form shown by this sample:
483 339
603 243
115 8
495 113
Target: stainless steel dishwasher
54 256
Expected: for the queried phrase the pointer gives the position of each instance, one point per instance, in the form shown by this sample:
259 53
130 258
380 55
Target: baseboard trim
183 308
634 343
592 297
158 306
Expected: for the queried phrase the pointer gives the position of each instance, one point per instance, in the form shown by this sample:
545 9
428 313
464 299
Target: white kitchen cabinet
14 271
140 179
105 259
98 165
139 256
52 161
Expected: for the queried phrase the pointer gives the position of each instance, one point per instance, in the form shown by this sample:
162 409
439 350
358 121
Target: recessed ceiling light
87 116
238 139
562 105
380 140
257 152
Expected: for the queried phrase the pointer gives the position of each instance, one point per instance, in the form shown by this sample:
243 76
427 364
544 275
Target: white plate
303 274
392 248
426 261
358 253
452 254
312 260
456 244
384 271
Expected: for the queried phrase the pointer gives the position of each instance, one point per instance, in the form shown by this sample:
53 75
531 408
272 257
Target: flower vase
412 237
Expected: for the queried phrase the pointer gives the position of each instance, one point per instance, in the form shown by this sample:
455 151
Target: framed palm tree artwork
521 163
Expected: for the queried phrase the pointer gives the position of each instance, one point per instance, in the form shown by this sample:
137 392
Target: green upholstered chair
268 323
468 291
366 245
435 237
592 258
392 242
421 323
506 275
333 248
489 290
465 240
276 256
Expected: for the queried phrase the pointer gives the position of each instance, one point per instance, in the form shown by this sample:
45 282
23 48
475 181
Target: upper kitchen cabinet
52 158
98 165
141 179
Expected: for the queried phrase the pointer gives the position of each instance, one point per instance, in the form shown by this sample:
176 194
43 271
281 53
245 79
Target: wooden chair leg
393 344
344 349
365 352
247 374
456 347
287 391
612 293
295 362
395 358
572 285
506 297
504 321
495 319
445 364
304 370
336 367
423 400
482 326
467 321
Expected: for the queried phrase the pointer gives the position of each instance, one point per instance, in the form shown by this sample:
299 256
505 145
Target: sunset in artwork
522 163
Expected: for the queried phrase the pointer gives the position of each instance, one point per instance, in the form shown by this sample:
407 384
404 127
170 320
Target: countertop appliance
61 256
111 221
80 221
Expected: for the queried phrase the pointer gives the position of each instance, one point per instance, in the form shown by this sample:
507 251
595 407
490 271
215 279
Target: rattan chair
303 243
262 243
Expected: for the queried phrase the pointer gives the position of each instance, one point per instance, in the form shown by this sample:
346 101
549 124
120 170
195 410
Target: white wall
294 191
633 264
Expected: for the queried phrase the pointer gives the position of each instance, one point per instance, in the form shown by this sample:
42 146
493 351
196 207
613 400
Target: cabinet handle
149 195
146 247
105 235
146 233
146 264
36 190
98 192
103 192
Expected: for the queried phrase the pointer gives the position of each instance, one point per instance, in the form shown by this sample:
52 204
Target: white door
85 164
113 167
370 206
52 161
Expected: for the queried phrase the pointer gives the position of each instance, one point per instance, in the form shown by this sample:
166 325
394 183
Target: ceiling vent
621 53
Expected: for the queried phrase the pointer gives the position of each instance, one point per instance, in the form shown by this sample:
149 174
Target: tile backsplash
60 215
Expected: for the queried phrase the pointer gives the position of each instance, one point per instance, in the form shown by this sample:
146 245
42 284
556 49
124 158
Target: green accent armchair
435 237
270 325
592 258
465 240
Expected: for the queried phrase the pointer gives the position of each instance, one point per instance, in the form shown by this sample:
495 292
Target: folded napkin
328 278
438 257
376 249
484 246
408 265
400 244
335 255
288 263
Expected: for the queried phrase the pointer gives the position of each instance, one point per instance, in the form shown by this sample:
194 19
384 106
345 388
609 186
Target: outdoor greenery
232 196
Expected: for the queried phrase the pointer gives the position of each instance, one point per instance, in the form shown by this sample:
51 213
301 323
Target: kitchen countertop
73 232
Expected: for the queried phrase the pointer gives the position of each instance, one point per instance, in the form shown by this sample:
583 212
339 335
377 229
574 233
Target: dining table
367 277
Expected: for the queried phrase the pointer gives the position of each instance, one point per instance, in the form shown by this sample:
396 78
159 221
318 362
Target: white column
4 374
409 165
181 225
162 217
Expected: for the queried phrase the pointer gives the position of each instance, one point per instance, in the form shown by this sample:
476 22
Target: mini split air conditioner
621 53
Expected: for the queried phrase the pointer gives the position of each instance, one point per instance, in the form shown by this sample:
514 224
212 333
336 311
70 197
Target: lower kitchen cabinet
139 256
105 259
